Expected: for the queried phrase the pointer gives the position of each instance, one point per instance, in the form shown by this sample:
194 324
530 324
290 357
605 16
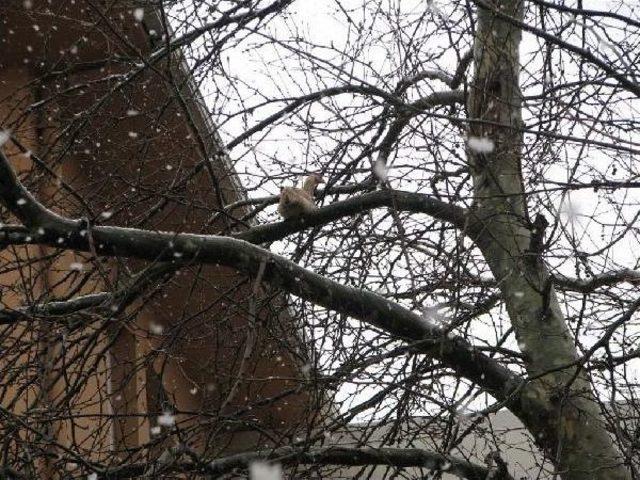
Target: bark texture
570 428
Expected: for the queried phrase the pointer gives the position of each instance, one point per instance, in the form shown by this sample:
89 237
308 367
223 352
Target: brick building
106 125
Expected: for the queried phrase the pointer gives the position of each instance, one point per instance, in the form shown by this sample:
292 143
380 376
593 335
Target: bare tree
474 249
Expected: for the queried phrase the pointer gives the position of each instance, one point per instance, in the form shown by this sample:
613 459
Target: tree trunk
571 430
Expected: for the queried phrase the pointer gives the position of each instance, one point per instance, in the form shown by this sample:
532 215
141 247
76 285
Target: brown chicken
295 202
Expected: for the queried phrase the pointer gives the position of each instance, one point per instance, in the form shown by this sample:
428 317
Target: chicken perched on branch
295 202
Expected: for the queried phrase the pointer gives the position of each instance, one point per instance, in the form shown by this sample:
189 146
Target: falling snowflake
106 215
138 14
571 211
433 314
156 328
76 266
380 170
155 430
132 113
21 201
5 135
605 45
264 471
92 476
480 144
166 419
133 134
193 391
431 7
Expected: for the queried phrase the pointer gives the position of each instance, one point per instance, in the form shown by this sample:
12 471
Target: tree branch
602 280
454 352
395 457
622 79
407 201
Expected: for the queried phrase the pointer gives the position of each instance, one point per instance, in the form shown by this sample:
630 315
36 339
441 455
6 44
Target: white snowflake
380 170
156 328
138 14
433 314
92 476
106 215
571 211
605 45
133 134
166 419
76 266
431 7
480 144
21 201
259 470
5 135
155 430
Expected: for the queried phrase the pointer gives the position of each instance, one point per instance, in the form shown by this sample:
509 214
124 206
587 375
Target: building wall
500 432
130 151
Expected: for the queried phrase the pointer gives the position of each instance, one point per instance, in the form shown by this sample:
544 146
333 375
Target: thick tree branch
395 457
602 280
455 353
575 434
407 201
368 184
